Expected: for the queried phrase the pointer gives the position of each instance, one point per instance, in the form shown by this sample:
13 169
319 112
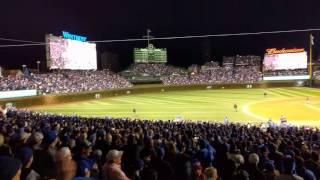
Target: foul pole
310 59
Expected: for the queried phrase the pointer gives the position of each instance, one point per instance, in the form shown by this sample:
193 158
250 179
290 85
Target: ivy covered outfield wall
83 96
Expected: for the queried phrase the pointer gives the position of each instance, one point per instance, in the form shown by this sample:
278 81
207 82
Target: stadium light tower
148 37
38 66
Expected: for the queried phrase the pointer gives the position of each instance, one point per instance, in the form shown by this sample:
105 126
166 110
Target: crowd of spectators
248 60
295 72
42 146
228 60
316 75
154 69
217 75
65 81
235 69
211 64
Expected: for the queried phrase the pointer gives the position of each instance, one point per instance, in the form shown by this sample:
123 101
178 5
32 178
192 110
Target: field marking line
213 99
312 107
205 100
288 94
246 108
130 102
99 103
273 93
296 92
308 89
160 99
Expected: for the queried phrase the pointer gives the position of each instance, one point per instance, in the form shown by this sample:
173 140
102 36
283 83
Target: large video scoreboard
285 59
70 52
277 61
150 55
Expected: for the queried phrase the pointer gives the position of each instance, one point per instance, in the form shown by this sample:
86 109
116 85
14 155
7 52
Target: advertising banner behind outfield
285 59
17 93
276 78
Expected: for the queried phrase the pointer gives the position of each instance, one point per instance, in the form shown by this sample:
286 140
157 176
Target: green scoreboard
150 55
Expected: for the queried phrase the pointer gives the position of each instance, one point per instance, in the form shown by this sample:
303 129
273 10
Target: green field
214 105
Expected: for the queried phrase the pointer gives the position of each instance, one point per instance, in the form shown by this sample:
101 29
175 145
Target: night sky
122 19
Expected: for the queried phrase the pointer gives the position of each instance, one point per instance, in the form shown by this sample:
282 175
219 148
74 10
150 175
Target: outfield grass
253 107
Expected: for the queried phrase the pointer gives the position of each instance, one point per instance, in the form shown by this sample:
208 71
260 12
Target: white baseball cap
114 154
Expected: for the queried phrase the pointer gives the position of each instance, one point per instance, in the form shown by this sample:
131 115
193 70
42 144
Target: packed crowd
65 81
36 146
154 69
316 75
211 64
217 75
295 72
228 60
248 60
235 69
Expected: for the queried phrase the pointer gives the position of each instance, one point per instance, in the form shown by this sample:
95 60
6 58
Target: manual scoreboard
150 55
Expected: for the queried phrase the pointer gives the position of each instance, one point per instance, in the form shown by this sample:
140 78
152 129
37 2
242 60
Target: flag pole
310 59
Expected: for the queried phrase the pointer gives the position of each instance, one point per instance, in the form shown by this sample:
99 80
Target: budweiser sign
283 51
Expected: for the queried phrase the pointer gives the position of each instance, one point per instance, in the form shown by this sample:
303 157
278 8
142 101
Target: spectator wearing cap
10 168
252 168
289 166
302 171
50 141
84 163
112 168
66 167
36 140
206 153
45 164
21 140
25 154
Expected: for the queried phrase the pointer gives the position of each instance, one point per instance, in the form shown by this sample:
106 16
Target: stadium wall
84 96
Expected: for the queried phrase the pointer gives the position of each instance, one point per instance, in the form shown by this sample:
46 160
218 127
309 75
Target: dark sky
121 19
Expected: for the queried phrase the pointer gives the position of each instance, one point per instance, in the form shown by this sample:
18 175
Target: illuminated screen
285 61
70 54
